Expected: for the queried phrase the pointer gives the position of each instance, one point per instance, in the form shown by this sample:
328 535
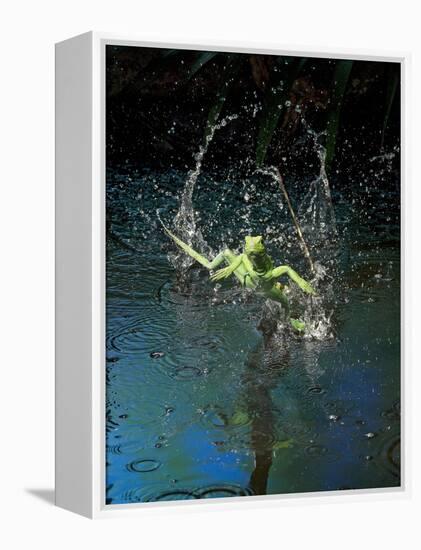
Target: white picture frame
80 274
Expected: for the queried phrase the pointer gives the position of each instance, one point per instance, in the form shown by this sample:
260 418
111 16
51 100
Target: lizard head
254 246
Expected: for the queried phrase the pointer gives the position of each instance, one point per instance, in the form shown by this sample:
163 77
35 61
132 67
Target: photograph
253 267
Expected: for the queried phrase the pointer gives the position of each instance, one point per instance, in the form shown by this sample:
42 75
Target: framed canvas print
228 273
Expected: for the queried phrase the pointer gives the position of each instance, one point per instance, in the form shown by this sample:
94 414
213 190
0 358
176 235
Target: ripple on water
183 360
322 453
186 373
170 495
223 490
156 493
308 391
215 416
338 407
149 413
207 341
153 494
156 354
173 495
296 429
138 336
389 455
195 298
394 413
317 450
254 440
143 466
316 390
114 449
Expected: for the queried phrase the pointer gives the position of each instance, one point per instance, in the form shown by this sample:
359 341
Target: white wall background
28 32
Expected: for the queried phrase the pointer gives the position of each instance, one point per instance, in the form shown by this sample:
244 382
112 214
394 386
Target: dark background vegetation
161 103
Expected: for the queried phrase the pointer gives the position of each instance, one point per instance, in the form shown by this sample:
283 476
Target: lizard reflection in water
258 381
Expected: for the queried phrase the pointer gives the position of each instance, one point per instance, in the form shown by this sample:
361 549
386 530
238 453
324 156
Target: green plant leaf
274 103
392 86
201 59
340 80
231 69
148 73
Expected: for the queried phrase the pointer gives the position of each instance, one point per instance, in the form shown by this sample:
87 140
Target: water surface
200 404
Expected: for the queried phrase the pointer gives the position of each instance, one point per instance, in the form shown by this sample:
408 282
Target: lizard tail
195 255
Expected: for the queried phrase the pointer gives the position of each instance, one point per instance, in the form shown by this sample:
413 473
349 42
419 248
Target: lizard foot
297 324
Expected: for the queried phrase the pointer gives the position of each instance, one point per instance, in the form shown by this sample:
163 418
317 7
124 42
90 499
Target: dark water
202 404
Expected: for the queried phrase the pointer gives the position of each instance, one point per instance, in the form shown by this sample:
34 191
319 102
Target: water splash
185 220
275 174
318 323
313 311
382 165
316 314
316 211
386 157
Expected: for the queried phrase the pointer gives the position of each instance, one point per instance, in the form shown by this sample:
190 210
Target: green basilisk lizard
254 269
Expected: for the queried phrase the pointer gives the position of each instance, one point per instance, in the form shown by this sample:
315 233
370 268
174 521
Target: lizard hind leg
276 294
279 296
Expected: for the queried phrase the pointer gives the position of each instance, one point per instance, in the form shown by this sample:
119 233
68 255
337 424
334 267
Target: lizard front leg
217 260
293 275
226 272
